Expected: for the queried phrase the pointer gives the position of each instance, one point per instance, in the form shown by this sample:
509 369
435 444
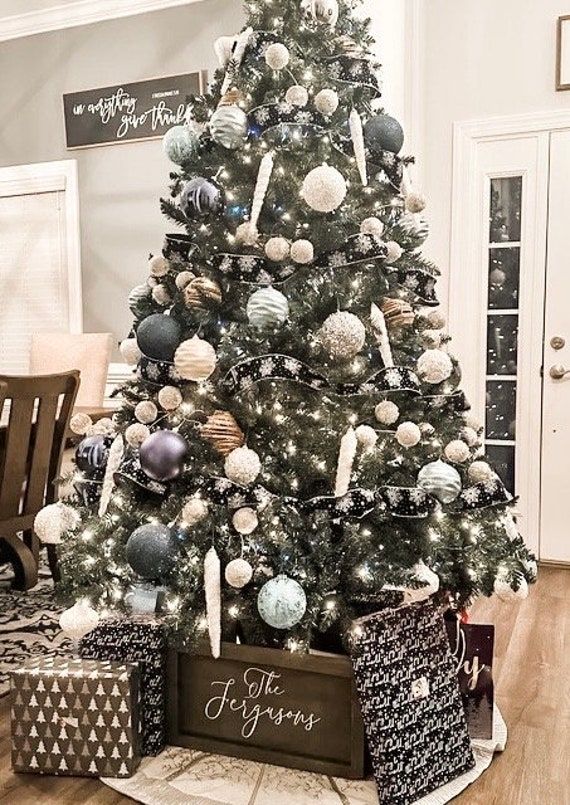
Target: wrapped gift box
75 717
143 643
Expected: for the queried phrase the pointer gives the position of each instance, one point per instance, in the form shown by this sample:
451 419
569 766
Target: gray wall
119 184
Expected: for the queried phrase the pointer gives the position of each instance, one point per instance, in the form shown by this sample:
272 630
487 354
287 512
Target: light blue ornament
282 602
228 126
440 480
180 144
267 308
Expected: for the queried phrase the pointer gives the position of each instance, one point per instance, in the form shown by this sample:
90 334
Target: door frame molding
50 177
466 321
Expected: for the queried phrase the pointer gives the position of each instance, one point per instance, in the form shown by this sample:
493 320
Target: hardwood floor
532 675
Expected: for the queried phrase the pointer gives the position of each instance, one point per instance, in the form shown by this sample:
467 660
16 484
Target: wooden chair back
31 451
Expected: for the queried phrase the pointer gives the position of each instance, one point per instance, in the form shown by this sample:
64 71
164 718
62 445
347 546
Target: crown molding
80 12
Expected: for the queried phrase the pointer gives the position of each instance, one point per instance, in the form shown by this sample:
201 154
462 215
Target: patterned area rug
188 777
28 626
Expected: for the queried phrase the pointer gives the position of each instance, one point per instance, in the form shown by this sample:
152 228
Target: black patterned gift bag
144 643
410 700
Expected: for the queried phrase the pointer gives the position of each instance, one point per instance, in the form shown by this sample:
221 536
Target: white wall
483 58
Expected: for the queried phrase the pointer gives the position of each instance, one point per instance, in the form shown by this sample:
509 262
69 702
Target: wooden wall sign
126 112
299 711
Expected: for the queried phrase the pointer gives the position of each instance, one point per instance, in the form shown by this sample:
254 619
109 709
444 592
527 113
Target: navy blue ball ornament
162 455
151 551
200 197
383 133
158 336
180 144
282 602
92 453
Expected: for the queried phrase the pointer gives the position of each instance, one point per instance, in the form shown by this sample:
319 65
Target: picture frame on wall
563 54
130 112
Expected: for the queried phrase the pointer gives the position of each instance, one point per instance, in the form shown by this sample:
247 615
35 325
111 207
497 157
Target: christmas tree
294 446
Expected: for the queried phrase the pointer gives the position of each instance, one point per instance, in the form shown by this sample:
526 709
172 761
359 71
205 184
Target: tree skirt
28 626
188 777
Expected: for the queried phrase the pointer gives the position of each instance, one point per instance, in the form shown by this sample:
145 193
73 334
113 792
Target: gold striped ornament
223 432
397 313
202 293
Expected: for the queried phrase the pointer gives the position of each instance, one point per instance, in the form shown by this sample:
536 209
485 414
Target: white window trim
49 177
81 12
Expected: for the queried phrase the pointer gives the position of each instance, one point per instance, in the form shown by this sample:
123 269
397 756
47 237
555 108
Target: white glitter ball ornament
431 339
372 226
80 423
238 573
326 102
394 252
504 588
324 188
247 234
78 620
277 249
440 480
436 319
195 359
136 434
471 421
297 95
267 307
342 335
408 434
183 279
146 412
51 522
170 398
245 520
415 202
194 511
366 436
160 295
130 351
242 466
282 602
302 252
434 366
457 451
470 436
479 472
158 266
277 56
387 412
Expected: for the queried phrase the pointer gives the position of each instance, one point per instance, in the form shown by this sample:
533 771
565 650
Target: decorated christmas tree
294 447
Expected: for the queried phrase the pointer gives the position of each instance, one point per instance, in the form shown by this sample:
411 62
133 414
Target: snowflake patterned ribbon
418 282
483 495
282 367
159 373
357 249
251 268
271 115
348 69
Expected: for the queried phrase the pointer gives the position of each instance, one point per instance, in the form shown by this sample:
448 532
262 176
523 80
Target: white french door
509 256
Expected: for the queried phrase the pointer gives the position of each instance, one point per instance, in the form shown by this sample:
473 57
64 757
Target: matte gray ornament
151 550
180 144
200 197
158 336
282 602
162 455
383 133
228 126
440 480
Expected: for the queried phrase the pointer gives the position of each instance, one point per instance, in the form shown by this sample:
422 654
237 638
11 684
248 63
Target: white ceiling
10 7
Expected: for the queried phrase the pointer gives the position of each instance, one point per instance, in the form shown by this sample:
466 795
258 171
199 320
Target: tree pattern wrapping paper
143 643
410 701
75 717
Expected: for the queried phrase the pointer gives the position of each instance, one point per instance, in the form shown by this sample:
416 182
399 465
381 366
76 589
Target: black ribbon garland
418 282
357 249
348 69
484 495
273 115
244 375
251 268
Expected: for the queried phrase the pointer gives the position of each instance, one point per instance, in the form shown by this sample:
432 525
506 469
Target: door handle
557 372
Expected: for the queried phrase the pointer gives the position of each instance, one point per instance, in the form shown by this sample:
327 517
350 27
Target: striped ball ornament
195 359
267 308
440 480
228 126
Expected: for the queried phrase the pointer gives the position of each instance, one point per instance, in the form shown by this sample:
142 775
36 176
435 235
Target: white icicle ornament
213 592
346 455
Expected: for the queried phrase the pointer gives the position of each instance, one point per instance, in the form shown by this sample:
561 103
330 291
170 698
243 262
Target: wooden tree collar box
299 711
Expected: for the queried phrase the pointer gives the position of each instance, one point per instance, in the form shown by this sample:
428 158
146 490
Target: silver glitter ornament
342 335
282 602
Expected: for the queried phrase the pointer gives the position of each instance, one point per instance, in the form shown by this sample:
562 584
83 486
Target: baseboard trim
117 375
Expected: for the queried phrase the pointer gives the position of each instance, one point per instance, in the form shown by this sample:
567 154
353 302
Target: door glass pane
505 218
502 457
502 332
501 409
504 278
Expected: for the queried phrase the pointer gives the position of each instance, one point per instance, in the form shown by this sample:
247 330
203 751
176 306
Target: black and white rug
28 626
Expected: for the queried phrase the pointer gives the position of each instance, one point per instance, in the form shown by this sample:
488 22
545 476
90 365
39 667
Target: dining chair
31 450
